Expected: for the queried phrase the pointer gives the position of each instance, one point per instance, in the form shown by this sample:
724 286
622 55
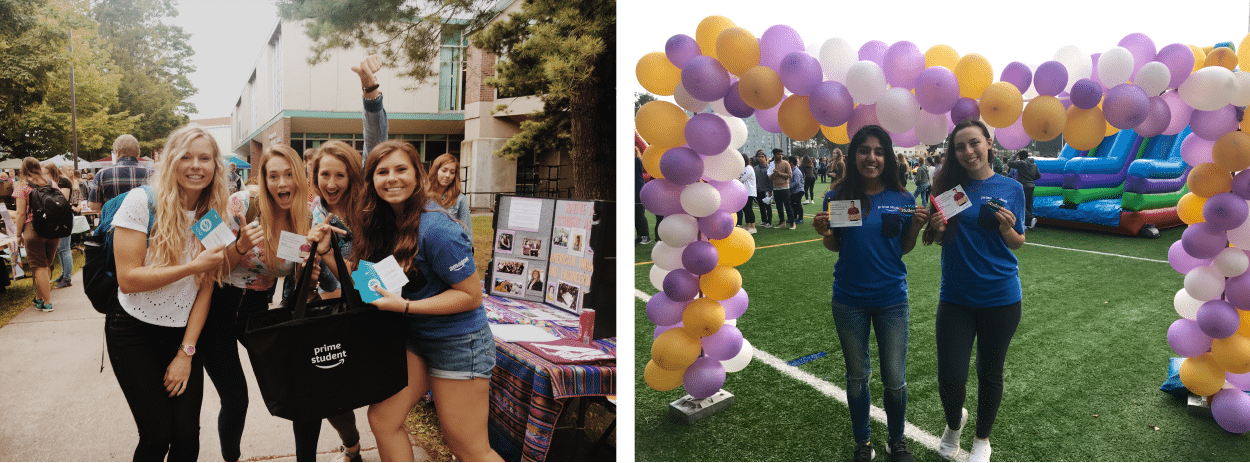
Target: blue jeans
891 324
67 259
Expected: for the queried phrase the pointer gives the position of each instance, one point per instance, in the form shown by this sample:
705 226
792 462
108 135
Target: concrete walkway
56 404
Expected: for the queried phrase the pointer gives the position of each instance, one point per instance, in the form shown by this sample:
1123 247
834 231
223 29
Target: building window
451 69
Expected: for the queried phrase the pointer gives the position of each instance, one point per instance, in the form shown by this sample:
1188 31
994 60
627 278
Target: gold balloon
795 118
657 74
1044 118
1244 328
675 349
1189 208
660 379
1223 57
1232 354
735 249
838 135
1084 128
651 160
703 316
1232 151
1001 104
941 55
1200 57
1208 179
1243 54
721 283
974 74
708 31
1202 375
760 87
738 50
661 123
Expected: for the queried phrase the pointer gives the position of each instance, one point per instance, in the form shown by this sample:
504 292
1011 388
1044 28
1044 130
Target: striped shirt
120 178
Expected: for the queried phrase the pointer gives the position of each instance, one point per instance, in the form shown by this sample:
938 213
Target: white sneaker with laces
980 450
950 439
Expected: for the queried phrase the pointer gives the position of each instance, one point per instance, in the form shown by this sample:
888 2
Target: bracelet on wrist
370 88
327 251
236 248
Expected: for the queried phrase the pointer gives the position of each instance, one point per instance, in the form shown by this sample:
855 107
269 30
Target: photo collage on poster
522 243
571 259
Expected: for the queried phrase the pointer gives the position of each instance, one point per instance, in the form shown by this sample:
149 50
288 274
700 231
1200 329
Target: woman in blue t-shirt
870 282
980 295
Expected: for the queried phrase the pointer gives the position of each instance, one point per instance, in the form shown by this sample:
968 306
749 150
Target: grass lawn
1082 376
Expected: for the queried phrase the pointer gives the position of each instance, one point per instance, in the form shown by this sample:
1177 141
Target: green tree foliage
642 99
24 63
154 60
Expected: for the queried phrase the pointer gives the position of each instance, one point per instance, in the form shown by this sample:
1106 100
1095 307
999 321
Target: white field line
1096 252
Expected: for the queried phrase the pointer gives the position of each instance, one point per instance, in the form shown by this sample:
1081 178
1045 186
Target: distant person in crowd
6 190
796 190
444 186
233 178
779 172
822 169
641 228
870 285
39 250
747 177
1026 174
837 167
63 253
980 294
122 176
922 183
903 170
763 188
809 179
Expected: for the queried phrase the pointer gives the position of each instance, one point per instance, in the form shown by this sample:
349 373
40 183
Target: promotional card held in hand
951 202
369 276
212 231
293 247
845 213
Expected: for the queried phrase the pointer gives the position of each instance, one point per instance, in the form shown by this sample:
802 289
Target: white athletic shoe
980 450
950 439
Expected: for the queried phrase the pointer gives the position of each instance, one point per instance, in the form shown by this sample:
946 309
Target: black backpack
52 215
99 271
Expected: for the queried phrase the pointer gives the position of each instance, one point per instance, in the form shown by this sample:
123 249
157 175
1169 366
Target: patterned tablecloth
528 393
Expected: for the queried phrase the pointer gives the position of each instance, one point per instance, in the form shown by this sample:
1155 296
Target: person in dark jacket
1026 174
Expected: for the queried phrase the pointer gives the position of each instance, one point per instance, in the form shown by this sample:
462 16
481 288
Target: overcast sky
1001 30
227 36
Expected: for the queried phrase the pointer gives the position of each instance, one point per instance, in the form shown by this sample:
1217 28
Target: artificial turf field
1081 381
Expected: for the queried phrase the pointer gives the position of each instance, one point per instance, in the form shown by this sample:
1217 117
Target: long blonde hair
445 197
299 214
170 233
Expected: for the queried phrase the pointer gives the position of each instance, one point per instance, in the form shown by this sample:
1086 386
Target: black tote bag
318 360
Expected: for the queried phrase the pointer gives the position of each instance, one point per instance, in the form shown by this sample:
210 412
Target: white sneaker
751 231
980 450
950 439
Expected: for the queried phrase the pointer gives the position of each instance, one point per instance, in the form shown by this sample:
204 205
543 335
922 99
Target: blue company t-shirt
870 269
445 258
978 270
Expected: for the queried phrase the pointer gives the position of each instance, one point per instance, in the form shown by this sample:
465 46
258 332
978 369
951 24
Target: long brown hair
53 173
382 226
32 172
445 197
952 172
851 185
353 198
299 215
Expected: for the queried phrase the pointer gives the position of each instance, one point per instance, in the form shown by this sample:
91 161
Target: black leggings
750 214
809 185
957 327
640 221
140 353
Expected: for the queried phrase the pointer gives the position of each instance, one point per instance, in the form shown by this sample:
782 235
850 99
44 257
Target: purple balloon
1141 47
800 72
717 225
708 134
965 108
1225 211
874 51
1241 184
733 197
1050 78
1237 290
680 48
1181 261
1187 339
1211 125
724 344
1196 150
906 139
734 103
777 42
664 311
1203 240
736 305
1218 319
1126 106
767 119
1231 409
658 196
1181 112
704 378
937 90
863 115
1157 118
831 103
1179 59
681 285
699 258
1018 74
1013 137
1086 93
903 62
704 78
1239 381
662 328
1093 58
681 165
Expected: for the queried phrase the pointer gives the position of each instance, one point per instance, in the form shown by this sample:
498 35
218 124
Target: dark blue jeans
992 329
891 324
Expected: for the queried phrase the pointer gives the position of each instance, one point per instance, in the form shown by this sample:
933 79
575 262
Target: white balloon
1242 97
931 129
1153 78
1186 306
687 102
737 131
699 200
732 322
741 360
679 230
657 277
866 82
1203 283
1115 66
718 107
1209 88
897 110
1231 262
1240 236
836 58
1077 62
666 257
723 167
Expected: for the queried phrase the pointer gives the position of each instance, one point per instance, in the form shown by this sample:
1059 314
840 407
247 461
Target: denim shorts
461 356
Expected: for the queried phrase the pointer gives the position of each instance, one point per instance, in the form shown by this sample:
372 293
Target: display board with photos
571 262
522 245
